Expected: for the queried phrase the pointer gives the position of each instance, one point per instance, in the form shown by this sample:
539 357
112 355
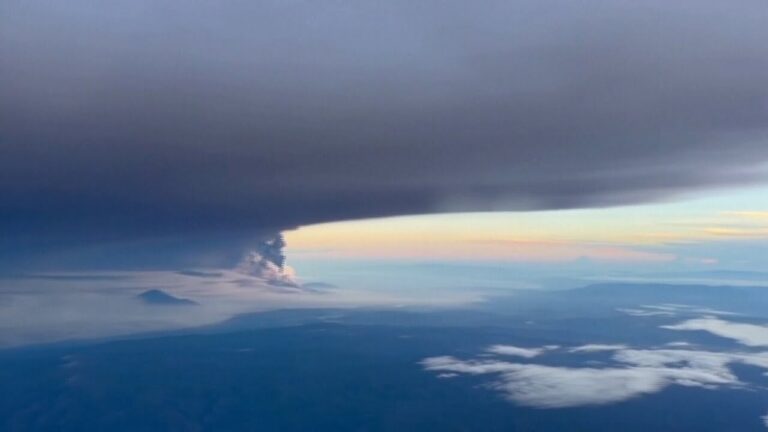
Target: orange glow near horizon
629 234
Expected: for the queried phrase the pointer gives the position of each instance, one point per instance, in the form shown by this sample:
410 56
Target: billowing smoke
267 261
272 250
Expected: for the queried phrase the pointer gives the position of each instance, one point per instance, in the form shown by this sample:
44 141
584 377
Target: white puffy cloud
644 312
715 363
678 344
511 350
672 309
597 348
558 387
637 372
746 334
708 311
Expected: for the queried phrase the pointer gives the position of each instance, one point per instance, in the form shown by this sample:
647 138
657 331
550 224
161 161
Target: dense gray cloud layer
156 118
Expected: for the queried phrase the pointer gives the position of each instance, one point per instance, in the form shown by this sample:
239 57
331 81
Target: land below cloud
695 356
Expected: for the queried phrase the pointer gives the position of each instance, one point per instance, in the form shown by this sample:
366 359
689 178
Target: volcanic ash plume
267 261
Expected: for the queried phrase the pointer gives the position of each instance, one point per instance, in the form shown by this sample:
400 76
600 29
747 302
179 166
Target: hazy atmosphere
492 216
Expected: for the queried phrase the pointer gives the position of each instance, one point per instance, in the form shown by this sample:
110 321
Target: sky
725 229
169 143
168 133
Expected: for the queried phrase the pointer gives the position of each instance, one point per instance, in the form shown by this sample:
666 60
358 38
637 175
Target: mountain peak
160 297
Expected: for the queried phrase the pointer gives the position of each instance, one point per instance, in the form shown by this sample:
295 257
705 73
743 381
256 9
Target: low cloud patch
510 350
752 335
590 348
672 309
635 372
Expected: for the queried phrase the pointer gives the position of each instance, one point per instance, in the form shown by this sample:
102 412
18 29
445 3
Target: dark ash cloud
156 119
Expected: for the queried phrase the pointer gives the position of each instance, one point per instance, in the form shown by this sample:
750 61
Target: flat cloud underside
155 118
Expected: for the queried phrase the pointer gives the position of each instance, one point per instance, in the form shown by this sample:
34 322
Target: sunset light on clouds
649 233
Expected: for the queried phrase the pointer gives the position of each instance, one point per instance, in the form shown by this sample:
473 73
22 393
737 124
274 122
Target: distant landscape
486 367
